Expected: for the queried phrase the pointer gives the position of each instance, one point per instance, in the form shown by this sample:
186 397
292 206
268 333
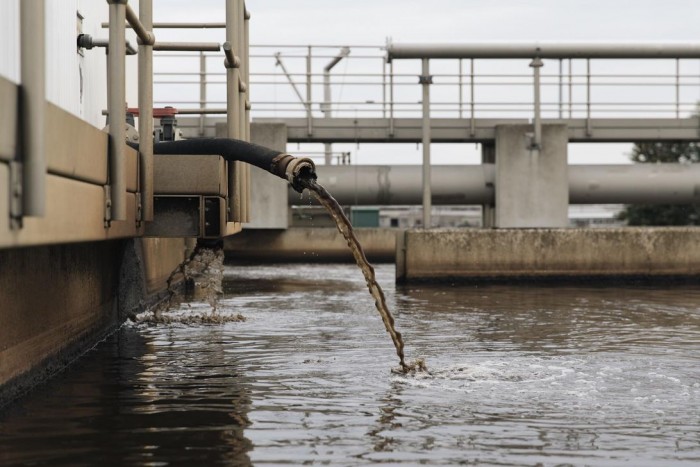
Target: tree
663 214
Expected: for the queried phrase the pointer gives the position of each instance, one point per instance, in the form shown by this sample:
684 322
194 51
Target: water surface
520 376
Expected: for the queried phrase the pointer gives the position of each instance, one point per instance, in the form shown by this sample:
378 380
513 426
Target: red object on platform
157 112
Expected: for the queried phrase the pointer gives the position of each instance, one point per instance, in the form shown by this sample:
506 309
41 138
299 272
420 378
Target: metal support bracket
16 195
108 205
425 79
139 210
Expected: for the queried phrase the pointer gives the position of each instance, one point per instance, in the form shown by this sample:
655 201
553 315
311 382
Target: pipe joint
298 170
294 170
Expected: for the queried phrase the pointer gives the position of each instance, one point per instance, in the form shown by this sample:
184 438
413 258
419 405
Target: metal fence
357 81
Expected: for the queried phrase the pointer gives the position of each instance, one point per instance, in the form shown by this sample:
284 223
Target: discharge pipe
293 169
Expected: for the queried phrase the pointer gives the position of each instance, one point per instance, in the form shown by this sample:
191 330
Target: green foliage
663 214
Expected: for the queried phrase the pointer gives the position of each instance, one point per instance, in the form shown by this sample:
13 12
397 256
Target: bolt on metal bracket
139 210
423 79
16 212
108 205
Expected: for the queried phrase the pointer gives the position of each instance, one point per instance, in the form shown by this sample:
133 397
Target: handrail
146 36
544 50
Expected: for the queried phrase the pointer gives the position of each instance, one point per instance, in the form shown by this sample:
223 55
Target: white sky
370 22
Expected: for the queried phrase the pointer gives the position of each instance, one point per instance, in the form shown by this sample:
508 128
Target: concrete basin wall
314 244
470 254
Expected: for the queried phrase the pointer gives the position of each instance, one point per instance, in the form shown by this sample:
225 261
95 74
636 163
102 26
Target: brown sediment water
345 228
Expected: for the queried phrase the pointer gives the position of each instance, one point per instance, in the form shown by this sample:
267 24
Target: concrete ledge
548 254
317 244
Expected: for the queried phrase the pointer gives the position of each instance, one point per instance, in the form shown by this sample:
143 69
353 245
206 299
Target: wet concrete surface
530 375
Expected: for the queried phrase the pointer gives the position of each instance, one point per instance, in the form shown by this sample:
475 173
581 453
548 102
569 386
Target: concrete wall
532 188
308 245
268 194
470 254
57 301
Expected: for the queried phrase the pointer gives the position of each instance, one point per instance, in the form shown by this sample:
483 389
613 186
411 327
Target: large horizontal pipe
544 50
474 184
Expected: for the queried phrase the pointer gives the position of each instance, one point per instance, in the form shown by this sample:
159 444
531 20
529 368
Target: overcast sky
370 22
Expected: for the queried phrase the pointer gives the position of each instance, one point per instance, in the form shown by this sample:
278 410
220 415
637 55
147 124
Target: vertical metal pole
383 88
232 114
427 198
460 88
327 147
146 113
33 98
472 124
202 89
116 106
536 64
588 97
391 98
561 88
678 88
571 109
309 129
245 108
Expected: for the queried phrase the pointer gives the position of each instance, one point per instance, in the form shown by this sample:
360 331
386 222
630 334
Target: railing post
426 80
571 109
232 114
146 112
536 142
678 88
460 88
391 98
33 98
244 108
116 106
309 121
589 130
202 89
561 88
383 88
472 123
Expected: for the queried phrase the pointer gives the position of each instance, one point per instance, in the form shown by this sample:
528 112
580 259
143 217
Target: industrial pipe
33 99
474 184
233 126
290 168
544 50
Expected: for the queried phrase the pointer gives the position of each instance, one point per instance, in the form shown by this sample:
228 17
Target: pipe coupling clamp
298 169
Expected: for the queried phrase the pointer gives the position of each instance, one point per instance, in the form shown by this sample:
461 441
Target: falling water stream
345 228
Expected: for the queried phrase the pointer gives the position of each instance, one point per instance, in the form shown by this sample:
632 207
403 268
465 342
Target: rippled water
520 376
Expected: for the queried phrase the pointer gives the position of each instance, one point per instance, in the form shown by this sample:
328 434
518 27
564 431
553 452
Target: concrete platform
315 244
473 255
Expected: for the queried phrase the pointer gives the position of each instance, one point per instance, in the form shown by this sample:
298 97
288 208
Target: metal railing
290 81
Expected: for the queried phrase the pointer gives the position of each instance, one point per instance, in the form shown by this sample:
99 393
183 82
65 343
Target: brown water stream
345 228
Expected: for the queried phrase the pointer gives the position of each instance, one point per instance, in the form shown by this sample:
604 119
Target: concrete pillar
488 211
531 185
268 194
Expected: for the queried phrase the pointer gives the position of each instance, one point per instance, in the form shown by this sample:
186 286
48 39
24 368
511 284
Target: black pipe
290 168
